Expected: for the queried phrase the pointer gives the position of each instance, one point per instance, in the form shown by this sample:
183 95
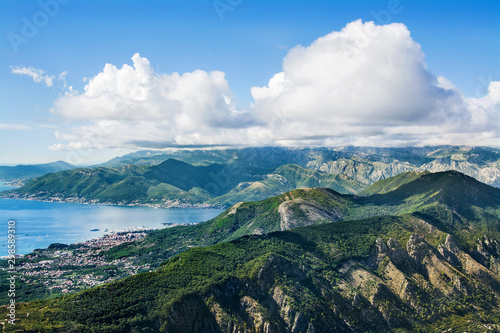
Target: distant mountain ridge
21 172
364 164
286 178
214 178
176 183
225 177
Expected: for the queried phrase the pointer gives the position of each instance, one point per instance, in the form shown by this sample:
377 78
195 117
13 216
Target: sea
39 224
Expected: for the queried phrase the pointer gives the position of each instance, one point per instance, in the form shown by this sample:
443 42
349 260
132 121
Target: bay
39 224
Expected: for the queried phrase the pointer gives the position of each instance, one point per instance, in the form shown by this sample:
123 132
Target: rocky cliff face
364 171
368 172
400 285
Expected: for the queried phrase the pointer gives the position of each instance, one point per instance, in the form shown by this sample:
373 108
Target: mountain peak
452 186
392 183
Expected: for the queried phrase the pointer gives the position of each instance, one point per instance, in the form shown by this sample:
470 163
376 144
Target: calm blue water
39 224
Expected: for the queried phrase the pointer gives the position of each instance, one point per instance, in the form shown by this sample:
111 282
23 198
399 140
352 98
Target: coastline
41 223
167 204
41 268
89 264
142 230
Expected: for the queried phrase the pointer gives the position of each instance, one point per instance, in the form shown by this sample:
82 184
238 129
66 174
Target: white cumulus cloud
368 84
363 85
135 104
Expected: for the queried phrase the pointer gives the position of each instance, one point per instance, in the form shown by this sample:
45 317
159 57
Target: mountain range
364 164
420 253
226 177
174 182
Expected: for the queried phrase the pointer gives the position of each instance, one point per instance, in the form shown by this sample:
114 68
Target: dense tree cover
303 262
180 182
144 302
262 216
450 199
392 183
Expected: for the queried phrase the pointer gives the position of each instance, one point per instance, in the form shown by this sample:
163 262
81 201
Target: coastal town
62 269
79 200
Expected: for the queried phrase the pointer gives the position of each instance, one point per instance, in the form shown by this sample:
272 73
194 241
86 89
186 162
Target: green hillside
301 207
215 178
286 178
453 187
174 182
171 181
392 183
446 198
382 274
93 184
449 198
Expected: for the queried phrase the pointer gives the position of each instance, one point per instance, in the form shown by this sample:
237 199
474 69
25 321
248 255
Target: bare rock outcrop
300 213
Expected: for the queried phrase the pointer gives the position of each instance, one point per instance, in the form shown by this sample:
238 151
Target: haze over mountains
22 172
420 254
365 164
225 177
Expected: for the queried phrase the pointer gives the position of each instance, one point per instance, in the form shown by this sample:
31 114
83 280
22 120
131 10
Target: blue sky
247 41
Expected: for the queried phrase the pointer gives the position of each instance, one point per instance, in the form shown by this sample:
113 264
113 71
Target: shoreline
117 222
41 268
81 201
124 231
107 234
